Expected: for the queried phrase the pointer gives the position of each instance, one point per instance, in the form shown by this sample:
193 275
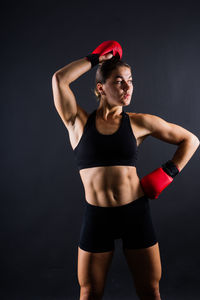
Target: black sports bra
96 150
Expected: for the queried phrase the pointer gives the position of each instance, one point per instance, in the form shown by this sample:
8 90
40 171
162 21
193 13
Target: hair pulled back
104 71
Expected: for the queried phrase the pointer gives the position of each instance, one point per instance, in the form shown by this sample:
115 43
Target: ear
100 88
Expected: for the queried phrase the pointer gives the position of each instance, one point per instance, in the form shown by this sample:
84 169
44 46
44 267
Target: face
118 88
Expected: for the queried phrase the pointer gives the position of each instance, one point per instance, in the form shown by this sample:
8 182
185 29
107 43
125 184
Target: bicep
64 100
72 114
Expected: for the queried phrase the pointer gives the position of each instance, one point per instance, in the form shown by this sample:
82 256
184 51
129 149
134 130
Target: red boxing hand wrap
155 182
104 48
109 46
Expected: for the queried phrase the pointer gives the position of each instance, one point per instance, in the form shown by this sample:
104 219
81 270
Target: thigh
93 269
96 234
138 228
145 266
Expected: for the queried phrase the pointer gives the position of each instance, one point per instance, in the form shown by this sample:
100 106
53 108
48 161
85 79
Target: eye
120 81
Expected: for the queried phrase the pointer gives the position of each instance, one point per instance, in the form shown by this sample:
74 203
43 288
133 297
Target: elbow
198 142
54 79
194 140
58 78
55 76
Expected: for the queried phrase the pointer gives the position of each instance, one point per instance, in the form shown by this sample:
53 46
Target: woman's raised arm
64 99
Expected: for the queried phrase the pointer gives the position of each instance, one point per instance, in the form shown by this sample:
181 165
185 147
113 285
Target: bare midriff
111 186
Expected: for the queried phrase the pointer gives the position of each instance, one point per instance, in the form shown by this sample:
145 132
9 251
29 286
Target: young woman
105 145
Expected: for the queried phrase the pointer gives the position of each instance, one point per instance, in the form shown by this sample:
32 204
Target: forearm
155 182
74 70
185 151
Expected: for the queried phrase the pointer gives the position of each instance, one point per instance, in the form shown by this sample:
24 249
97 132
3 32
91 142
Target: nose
126 86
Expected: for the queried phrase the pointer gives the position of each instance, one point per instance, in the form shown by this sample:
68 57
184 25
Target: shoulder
143 118
147 121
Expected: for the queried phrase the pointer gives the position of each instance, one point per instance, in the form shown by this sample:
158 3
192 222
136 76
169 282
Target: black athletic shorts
130 222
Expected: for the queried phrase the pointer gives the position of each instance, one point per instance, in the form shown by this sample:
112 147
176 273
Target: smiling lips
126 95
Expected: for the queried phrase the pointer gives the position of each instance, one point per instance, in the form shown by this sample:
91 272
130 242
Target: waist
111 186
139 201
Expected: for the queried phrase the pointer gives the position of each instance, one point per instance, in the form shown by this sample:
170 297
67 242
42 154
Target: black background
42 197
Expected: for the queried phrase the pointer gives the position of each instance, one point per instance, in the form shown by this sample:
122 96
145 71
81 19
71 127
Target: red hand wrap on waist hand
155 182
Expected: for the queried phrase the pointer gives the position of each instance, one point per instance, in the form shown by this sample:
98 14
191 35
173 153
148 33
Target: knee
150 291
90 293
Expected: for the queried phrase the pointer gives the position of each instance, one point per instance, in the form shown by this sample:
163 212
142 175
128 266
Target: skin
119 185
116 185
113 185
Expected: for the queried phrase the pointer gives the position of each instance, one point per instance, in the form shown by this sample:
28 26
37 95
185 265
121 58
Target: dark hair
104 71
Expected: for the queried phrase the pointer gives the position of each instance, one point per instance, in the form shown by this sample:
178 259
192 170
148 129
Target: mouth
126 95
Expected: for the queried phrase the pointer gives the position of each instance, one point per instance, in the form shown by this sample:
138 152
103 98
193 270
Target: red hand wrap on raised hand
109 46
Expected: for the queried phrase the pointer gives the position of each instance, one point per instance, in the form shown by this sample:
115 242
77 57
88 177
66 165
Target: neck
106 111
